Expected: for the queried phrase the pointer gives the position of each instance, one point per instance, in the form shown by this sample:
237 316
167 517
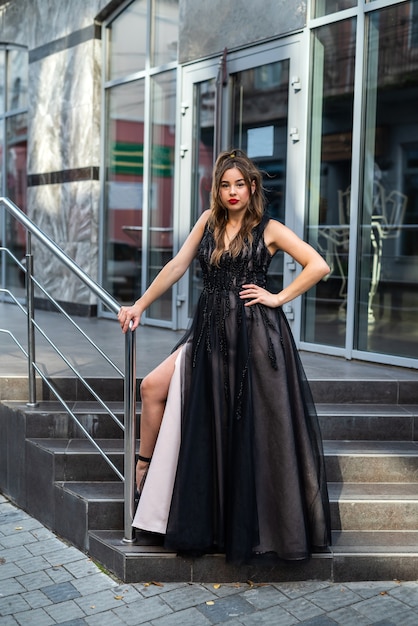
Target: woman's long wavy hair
219 213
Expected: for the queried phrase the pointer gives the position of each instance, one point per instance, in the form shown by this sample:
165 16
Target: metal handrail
33 369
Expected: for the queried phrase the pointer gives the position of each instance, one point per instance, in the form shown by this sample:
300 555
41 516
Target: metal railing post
31 327
130 434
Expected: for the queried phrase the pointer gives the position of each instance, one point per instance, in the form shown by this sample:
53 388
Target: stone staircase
370 431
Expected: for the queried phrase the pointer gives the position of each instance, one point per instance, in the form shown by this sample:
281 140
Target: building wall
64 118
207 27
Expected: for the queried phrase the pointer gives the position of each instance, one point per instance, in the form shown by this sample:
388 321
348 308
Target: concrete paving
44 581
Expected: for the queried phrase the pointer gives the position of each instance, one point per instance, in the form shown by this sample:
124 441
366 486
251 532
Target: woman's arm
170 274
279 237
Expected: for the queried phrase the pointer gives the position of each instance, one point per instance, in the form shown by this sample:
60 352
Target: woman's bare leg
154 391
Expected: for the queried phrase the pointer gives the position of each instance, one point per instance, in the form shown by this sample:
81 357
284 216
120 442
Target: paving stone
129 593
43 547
349 617
298 589
226 589
109 618
322 620
190 595
35 617
142 611
99 601
81 568
58 574
9 570
10 587
8 620
94 582
36 599
224 609
13 604
333 598
151 589
61 592
187 617
42 533
33 564
403 618
264 597
382 607
368 589
74 622
274 616
67 554
407 594
13 555
64 611
19 538
35 580
302 608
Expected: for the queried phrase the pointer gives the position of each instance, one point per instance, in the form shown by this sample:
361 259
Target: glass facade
203 158
13 155
127 41
330 160
361 205
140 96
362 202
326 7
161 188
387 287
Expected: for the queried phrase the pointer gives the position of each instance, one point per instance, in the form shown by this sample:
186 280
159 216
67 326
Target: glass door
250 101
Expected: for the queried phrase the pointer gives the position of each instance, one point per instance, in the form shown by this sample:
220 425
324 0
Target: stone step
346 461
337 421
49 419
365 391
371 461
77 459
78 507
352 557
378 422
374 506
396 390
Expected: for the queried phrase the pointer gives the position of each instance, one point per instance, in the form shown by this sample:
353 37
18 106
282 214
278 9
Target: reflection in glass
17 79
260 112
2 79
388 259
128 40
161 195
203 159
15 189
325 7
165 31
260 103
330 178
124 191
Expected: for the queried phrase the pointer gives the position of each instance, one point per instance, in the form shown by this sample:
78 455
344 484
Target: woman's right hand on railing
128 314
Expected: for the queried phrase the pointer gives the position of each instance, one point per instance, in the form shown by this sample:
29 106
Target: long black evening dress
248 475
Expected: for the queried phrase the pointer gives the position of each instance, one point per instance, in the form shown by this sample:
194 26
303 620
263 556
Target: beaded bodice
250 266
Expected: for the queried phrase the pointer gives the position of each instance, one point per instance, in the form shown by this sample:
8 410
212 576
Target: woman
238 466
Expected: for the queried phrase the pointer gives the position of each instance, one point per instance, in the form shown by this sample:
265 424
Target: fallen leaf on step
384 593
217 586
210 603
19 528
118 597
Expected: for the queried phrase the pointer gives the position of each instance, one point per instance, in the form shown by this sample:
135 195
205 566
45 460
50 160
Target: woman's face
234 192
